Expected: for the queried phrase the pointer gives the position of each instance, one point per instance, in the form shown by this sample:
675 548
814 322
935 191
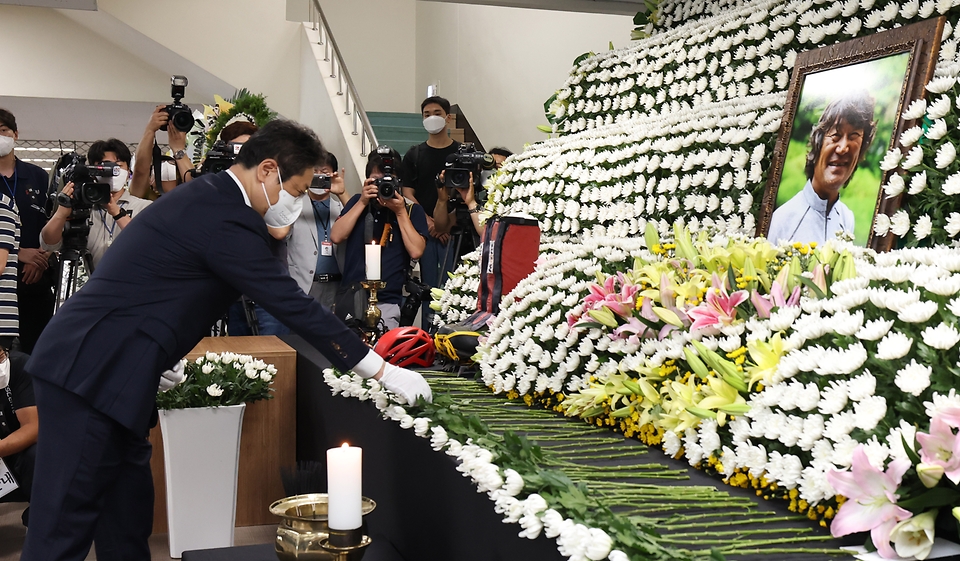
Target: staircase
400 131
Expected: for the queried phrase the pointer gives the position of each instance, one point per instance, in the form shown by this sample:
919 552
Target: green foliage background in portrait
883 78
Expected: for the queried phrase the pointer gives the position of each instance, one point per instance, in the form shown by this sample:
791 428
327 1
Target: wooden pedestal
267 442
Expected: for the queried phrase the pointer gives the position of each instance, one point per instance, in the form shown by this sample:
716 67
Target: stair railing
338 70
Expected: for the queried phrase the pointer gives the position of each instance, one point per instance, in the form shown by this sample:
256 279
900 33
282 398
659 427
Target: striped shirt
9 241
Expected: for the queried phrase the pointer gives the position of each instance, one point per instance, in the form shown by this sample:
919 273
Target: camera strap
156 168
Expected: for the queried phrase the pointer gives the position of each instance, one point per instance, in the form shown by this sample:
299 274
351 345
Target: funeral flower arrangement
219 379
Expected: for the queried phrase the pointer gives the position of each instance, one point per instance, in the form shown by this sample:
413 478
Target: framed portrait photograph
841 117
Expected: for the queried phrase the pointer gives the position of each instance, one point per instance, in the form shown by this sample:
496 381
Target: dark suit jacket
156 293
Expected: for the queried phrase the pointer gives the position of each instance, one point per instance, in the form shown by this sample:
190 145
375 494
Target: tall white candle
372 254
344 493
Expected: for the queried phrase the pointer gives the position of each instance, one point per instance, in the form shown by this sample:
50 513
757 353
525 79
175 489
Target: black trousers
92 483
22 465
35 304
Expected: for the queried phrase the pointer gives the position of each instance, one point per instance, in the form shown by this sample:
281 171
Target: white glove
171 378
405 383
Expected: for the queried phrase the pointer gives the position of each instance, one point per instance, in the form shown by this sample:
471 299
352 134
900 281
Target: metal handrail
336 61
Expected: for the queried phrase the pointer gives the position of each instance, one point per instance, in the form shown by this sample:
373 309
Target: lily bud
929 474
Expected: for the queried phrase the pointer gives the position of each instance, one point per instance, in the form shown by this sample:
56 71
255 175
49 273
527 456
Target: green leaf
911 452
932 498
545 128
582 58
812 286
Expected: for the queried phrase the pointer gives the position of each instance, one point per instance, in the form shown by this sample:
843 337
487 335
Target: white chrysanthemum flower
910 137
207 368
900 223
894 186
862 386
894 346
421 425
943 336
892 158
913 378
874 329
946 154
881 224
953 224
940 85
214 390
916 110
914 158
939 109
937 130
869 411
923 227
919 312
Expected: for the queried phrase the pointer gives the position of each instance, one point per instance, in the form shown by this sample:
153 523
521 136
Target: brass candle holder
371 318
303 533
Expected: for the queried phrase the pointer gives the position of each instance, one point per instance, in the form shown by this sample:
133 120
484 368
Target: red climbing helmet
406 346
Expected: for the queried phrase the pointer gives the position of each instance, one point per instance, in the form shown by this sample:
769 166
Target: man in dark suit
174 272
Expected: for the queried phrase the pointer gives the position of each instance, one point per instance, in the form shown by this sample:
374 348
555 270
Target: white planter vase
201 453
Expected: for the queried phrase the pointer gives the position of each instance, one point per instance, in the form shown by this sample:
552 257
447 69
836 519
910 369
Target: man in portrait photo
838 144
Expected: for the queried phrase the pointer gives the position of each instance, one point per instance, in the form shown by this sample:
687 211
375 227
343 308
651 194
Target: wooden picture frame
833 76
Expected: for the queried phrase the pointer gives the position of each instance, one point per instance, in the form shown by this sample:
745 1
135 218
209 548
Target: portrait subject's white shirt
804 219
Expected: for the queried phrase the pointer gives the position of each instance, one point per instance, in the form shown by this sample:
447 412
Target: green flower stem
669 526
727 547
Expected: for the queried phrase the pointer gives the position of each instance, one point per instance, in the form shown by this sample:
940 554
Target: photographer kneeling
107 221
18 425
379 214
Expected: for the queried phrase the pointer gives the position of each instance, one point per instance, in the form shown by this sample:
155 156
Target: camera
466 160
220 156
416 293
180 115
389 184
321 181
91 183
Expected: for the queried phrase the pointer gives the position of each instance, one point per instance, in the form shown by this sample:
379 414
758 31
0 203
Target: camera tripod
71 260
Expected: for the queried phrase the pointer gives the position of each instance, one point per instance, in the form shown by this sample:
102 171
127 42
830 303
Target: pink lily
632 331
941 448
719 308
951 416
872 499
763 305
619 301
776 299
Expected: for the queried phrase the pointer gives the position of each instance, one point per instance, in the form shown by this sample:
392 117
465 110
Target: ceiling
618 7
63 4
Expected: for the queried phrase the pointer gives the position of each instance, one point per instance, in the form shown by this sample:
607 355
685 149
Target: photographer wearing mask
174 171
399 228
314 261
98 363
18 425
108 221
36 268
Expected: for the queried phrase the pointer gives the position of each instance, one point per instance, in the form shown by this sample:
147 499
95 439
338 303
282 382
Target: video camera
321 181
221 156
91 183
465 161
181 117
389 184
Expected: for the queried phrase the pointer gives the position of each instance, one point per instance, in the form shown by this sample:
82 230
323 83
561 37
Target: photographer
314 261
27 184
18 425
107 221
372 217
446 212
143 174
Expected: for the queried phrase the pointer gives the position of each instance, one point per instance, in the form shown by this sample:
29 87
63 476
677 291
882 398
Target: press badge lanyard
326 246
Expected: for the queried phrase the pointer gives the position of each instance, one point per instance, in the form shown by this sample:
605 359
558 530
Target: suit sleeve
240 255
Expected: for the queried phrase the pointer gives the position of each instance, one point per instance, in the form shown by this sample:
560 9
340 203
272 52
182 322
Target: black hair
99 148
7 118
857 110
330 160
499 151
295 147
442 102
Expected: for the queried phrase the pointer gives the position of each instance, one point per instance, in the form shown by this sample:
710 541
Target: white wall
50 56
247 43
378 41
500 64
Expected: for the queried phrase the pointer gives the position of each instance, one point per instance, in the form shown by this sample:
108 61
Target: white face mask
287 209
168 171
119 181
6 145
434 124
5 372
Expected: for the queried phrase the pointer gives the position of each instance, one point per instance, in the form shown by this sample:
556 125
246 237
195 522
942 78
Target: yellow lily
766 357
726 400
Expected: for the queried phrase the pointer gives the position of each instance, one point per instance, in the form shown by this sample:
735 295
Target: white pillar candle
372 254
344 493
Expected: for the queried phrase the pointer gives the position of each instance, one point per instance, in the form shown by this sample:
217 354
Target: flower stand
201 448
